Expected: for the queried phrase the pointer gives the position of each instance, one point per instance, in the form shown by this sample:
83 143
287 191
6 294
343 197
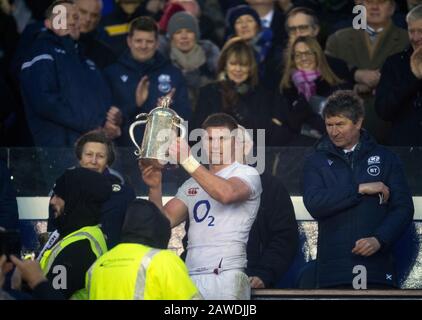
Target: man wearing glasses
302 22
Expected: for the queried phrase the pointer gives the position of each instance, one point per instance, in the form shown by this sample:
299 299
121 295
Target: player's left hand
366 247
179 150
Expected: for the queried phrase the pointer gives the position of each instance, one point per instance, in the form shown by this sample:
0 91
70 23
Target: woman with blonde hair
306 82
305 59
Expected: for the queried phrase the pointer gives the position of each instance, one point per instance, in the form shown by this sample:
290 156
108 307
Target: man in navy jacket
64 93
358 193
142 75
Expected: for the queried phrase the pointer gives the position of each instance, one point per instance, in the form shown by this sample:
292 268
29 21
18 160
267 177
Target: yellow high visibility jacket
98 245
136 272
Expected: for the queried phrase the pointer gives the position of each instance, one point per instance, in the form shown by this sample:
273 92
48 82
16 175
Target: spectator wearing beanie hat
210 29
247 27
183 20
197 59
244 22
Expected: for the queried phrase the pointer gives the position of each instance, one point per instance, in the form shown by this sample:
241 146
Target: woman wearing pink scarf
307 79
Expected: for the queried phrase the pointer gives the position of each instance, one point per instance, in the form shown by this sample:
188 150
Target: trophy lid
164 102
163 105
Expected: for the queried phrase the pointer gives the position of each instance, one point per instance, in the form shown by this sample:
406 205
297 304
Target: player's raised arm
175 210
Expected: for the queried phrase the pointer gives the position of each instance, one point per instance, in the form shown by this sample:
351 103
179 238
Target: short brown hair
143 23
98 136
244 53
220 120
344 103
304 10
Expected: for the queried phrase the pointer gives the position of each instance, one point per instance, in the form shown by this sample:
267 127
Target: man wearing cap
78 241
197 59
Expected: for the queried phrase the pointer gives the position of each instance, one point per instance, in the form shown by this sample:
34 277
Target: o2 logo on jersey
200 212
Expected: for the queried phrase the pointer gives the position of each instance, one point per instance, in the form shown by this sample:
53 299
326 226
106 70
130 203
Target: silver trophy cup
162 125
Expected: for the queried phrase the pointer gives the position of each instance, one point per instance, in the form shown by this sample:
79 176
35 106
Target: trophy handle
178 123
132 128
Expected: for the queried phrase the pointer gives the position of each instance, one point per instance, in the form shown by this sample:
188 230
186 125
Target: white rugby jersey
218 233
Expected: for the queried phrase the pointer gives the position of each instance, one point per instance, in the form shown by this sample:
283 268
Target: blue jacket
124 77
344 216
9 217
63 92
113 210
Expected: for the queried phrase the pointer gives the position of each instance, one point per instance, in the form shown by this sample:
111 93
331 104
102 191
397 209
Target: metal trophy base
156 163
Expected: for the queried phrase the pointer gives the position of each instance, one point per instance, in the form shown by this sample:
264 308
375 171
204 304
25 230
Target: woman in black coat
307 81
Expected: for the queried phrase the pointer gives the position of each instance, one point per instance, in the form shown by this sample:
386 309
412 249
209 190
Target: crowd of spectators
78 72
103 57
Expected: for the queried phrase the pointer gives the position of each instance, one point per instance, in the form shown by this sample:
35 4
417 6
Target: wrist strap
190 164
